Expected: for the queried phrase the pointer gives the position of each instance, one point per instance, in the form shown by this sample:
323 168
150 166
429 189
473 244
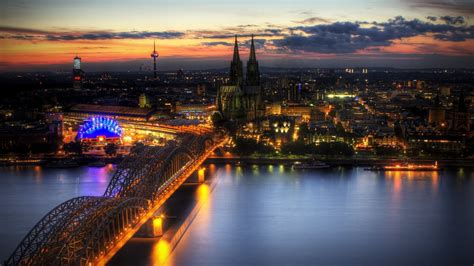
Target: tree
303 132
137 147
387 151
247 146
334 148
244 146
111 149
297 148
217 119
73 147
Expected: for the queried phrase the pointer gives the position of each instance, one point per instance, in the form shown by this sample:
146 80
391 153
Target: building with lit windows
137 124
200 112
77 73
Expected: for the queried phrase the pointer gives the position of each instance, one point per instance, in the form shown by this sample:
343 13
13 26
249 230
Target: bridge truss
90 230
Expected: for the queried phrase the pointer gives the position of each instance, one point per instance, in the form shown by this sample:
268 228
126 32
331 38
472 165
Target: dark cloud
458 20
458 6
115 35
349 37
259 43
217 43
452 20
232 35
15 30
34 34
273 31
313 20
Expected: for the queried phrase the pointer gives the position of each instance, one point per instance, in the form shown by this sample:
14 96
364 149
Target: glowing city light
100 127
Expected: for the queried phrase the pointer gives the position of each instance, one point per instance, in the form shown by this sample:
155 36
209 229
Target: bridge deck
173 186
90 230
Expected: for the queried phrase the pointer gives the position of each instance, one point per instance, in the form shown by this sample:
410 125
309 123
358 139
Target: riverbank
59 161
365 162
76 161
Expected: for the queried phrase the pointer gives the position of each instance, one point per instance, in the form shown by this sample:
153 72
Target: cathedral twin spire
236 68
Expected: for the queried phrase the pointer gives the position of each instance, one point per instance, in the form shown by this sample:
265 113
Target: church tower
253 73
236 70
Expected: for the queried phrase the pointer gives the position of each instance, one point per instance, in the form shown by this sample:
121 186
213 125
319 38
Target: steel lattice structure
83 230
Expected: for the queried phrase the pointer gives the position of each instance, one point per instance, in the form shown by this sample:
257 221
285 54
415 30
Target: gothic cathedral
242 99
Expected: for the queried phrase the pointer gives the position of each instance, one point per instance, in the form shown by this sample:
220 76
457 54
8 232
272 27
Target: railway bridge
89 230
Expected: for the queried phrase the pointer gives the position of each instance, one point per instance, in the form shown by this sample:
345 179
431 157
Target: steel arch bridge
90 230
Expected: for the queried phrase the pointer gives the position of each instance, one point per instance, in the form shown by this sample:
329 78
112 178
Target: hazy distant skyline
118 35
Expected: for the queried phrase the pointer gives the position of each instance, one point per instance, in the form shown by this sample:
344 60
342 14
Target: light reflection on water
28 193
338 216
274 215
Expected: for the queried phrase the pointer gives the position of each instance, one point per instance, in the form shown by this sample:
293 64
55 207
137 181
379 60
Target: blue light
99 126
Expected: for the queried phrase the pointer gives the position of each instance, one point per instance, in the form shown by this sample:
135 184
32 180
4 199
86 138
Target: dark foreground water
272 215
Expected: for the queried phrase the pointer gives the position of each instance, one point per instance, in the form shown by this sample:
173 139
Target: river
273 215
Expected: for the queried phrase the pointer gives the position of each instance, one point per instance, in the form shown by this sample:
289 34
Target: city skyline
195 36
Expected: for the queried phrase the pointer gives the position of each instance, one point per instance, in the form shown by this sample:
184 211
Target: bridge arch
43 234
81 230
93 237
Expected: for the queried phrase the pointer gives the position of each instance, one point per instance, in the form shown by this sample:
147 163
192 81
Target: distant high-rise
437 114
77 73
180 75
143 101
294 93
154 55
461 122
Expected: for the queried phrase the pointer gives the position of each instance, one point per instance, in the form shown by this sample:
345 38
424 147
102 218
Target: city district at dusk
237 133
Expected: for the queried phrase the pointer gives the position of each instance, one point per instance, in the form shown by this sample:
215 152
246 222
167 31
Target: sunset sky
118 35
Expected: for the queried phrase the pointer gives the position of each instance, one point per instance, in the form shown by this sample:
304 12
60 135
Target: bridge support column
201 175
153 227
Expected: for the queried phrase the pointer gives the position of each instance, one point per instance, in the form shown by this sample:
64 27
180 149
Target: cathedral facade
242 99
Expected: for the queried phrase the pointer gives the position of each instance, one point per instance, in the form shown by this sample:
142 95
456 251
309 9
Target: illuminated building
294 93
300 112
143 101
435 143
242 99
276 129
77 73
195 111
273 108
154 55
138 124
340 96
99 128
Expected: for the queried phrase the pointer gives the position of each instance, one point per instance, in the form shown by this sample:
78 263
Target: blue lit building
99 128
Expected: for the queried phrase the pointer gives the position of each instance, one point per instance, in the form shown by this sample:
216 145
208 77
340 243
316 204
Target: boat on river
406 167
310 165
62 164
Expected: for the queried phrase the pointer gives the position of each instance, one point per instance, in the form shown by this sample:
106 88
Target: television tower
154 55
77 73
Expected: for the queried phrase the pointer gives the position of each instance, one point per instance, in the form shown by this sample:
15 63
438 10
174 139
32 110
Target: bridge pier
201 175
153 227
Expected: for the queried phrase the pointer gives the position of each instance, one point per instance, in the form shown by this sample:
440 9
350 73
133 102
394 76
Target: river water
273 215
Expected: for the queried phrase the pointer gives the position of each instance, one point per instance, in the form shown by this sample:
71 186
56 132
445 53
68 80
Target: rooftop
112 110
